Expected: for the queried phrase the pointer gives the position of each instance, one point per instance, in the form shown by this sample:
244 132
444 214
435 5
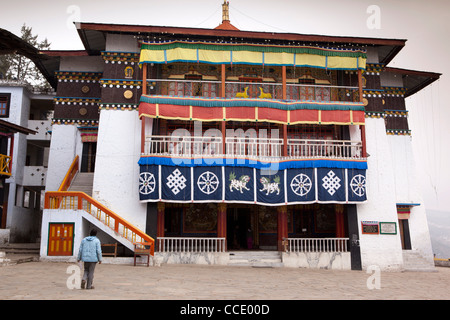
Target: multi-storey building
208 141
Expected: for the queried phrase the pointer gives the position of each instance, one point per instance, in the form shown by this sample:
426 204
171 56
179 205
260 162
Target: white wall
382 250
64 146
407 190
116 177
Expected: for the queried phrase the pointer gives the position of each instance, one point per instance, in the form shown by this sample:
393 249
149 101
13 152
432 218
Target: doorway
240 229
60 239
88 156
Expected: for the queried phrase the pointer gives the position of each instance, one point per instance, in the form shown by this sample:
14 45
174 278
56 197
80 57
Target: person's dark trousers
88 275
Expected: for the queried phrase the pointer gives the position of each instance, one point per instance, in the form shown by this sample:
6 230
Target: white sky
425 24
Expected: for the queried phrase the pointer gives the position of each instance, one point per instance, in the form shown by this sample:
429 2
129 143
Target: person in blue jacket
90 253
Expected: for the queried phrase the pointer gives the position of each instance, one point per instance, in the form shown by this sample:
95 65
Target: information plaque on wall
369 227
388 228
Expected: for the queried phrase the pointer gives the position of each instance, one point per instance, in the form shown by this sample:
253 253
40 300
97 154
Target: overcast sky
425 24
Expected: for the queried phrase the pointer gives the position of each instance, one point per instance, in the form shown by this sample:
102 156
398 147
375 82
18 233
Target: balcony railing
252 90
317 244
305 148
256 148
179 244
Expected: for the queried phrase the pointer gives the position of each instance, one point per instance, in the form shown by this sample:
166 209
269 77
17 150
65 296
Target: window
5 99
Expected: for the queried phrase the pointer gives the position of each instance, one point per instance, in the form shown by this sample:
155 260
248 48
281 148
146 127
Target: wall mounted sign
369 227
388 228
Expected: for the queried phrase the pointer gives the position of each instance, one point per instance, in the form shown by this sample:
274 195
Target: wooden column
222 222
11 152
223 77
284 87
160 220
363 139
363 127
222 94
144 78
142 134
282 226
340 227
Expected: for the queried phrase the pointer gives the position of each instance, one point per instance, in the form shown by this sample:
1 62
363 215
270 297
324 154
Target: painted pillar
285 129
222 221
363 128
160 221
340 225
282 226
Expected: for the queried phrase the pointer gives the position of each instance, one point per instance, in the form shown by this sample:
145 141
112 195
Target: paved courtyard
51 280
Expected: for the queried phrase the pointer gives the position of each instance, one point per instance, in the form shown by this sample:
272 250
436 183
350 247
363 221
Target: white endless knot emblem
331 182
176 181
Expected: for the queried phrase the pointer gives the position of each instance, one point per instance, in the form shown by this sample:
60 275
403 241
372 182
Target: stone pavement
48 280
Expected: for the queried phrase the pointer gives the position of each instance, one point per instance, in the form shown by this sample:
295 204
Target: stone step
413 261
257 259
83 182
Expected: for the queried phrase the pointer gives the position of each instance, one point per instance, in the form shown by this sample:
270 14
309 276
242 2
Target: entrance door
60 239
404 234
240 227
88 156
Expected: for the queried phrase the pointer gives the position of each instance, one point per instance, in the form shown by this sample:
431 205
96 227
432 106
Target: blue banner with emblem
251 185
148 183
239 184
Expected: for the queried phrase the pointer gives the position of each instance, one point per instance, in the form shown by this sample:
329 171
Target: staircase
75 193
413 261
83 182
257 259
15 253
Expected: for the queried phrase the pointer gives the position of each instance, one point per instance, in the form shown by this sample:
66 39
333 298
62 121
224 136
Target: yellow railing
5 167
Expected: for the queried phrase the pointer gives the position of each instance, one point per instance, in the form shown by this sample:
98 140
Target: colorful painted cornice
75 76
396 113
121 83
118 106
398 132
373 68
394 91
74 121
120 57
76 100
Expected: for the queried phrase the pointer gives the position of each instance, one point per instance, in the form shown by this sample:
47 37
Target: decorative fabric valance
253 54
252 186
262 110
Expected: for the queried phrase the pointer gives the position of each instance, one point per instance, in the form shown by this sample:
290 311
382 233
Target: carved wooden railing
75 200
5 168
70 175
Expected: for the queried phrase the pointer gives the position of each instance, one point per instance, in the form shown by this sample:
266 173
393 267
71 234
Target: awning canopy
253 54
255 110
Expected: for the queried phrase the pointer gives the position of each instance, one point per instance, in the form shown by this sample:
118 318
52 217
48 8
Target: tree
18 67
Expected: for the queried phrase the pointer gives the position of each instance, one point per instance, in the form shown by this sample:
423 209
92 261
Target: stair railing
70 175
76 200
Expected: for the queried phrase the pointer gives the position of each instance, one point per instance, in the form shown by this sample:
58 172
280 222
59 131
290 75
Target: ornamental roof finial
225 11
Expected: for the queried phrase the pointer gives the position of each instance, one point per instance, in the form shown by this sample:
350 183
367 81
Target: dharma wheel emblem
146 183
301 184
358 185
208 182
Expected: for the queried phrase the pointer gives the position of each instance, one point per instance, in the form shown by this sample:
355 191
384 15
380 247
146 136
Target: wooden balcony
252 148
251 90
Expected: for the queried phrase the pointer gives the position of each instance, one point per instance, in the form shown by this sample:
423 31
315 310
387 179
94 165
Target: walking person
90 253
